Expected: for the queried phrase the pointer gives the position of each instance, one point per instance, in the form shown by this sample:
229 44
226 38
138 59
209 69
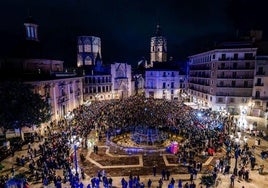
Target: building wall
162 84
31 65
138 84
222 79
43 65
63 95
97 87
88 48
121 79
259 104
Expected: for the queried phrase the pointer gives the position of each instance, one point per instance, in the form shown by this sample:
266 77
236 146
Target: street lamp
74 180
75 159
76 144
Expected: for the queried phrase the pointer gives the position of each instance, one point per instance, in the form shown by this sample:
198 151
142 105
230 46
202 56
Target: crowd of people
202 131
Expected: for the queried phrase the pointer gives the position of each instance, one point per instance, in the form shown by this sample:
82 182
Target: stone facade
63 94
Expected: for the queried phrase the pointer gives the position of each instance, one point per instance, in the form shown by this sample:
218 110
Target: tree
20 106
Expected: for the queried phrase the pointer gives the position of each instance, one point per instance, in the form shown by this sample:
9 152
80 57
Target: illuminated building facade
31 29
97 87
259 103
158 50
62 89
223 78
88 48
162 83
111 82
63 94
122 80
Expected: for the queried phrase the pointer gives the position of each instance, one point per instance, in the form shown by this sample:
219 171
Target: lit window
87 48
80 48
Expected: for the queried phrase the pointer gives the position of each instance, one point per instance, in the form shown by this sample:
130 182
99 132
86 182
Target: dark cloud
125 26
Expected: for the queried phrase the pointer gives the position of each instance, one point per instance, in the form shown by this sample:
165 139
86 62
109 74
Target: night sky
125 26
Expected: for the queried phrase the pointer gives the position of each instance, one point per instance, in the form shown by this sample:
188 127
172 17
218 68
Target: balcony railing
62 99
234 77
260 73
235 86
236 59
259 84
232 94
260 98
199 90
150 87
235 68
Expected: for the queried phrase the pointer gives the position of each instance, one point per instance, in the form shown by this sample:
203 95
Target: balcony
234 77
197 68
200 83
260 73
203 75
150 87
224 68
259 84
232 94
243 68
199 90
235 86
260 98
224 59
62 99
236 59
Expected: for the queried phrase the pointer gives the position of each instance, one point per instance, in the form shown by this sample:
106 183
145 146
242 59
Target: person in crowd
202 137
232 180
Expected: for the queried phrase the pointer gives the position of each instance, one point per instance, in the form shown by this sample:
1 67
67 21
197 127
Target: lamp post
75 159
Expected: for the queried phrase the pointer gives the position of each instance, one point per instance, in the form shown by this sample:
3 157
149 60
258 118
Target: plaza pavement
256 180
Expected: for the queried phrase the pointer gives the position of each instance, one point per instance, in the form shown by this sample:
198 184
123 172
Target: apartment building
259 103
223 78
163 82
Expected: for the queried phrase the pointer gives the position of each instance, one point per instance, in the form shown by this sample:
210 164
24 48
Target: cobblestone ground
149 160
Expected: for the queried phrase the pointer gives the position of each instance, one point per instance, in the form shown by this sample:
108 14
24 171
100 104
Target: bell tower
88 48
31 29
158 52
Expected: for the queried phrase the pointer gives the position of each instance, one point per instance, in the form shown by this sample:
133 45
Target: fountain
148 135
145 139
